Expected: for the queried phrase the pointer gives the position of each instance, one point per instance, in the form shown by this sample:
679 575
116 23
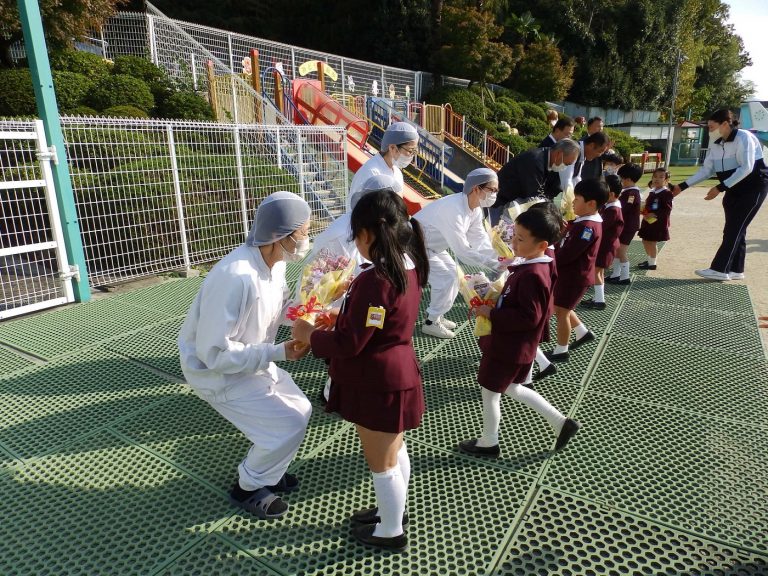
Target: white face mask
301 250
489 199
558 167
403 160
714 135
610 169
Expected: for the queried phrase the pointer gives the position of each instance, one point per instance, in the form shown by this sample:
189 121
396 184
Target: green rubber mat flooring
110 465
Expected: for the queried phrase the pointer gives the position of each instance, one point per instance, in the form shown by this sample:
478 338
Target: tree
63 21
470 49
541 74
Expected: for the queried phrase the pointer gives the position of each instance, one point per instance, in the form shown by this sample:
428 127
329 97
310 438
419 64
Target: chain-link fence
154 196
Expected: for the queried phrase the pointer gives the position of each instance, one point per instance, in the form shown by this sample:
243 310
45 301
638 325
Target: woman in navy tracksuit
736 158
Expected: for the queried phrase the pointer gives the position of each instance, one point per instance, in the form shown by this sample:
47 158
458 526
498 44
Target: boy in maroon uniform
630 213
575 257
517 322
375 374
613 224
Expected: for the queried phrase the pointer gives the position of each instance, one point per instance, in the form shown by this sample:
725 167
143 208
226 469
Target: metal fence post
463 128
485 143
152 40
194 72
442 166
300 158
383 84
233 87
231 56
179 203
277 145
343 89
293 63
241 179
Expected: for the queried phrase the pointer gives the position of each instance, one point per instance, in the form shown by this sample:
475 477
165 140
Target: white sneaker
710 274
736 275
437 330
447 323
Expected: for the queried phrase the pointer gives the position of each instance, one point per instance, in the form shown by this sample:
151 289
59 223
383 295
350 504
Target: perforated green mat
109 465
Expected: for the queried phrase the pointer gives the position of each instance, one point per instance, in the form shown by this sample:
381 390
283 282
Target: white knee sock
616 268
560 349
529 378
390 498
534 400
625 270
541 360
491 418
599 292
580 331
652 261
405 464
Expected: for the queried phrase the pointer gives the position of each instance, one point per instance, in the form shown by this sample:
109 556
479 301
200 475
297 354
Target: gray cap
279 215
399 133
374 183
478 177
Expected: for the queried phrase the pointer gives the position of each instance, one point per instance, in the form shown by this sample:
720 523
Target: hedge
120 89
85 63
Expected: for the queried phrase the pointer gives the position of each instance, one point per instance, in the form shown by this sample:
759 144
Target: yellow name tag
375 317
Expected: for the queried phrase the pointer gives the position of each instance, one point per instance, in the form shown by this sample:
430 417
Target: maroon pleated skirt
381 411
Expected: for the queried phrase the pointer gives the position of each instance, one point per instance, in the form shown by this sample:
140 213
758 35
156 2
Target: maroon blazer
520 317
379 359
550 251
658 203
576 253
613 224
630 211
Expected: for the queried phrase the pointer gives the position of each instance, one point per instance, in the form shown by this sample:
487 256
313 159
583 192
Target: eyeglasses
409 151
491 190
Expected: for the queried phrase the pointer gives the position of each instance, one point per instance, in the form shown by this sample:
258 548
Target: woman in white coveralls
456 222
228 351
399 146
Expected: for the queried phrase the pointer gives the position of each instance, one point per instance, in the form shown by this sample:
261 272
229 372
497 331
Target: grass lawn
680 173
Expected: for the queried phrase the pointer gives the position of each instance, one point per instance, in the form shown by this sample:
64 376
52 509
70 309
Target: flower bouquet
501 237
323 280
477 291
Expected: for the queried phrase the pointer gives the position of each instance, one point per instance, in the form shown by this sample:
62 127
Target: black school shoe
561 357
570 428
592 305
364 534
618 281
471 447
548 371
588 337
371 516
645 266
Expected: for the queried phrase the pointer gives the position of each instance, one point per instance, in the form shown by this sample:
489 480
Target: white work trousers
273 413
443 283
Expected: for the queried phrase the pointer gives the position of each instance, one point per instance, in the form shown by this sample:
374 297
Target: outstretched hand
763 321
712 194
295 350
302 330
676 190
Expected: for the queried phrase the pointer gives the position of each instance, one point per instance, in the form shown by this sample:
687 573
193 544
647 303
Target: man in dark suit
534 173
563 128
589 163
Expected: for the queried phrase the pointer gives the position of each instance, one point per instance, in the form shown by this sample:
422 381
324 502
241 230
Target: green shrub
71 89
126 111
625 144
78 62
463 101
491 127
517 144
534 111
186 106
107 148
16 95
119 89
83 111
508 110
534 128
137 67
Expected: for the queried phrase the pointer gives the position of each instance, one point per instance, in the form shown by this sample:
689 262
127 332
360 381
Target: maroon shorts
604 260
568 295
497 377
381 411
627 235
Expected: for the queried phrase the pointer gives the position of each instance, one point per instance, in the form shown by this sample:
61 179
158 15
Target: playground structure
754 117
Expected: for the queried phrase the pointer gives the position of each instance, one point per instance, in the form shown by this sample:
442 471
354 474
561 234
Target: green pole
47 109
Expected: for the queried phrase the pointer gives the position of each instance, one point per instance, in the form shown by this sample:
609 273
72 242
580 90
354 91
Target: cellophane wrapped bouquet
323 279
501 237
478 290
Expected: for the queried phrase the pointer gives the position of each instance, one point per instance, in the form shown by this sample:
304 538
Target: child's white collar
614 204
590 218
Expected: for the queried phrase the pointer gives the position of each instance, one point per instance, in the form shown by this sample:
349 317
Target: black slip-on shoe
364 534
570 428
471 447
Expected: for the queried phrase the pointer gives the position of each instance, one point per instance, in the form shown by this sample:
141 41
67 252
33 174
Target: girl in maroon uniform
656 211
517 322
376 381
630 200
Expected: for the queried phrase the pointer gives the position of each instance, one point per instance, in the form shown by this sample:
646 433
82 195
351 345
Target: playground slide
357 157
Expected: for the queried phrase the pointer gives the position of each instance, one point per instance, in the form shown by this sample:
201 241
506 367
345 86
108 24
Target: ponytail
383 213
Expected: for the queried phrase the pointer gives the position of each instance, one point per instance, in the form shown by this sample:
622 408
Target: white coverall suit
450 223
227 348
373 167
